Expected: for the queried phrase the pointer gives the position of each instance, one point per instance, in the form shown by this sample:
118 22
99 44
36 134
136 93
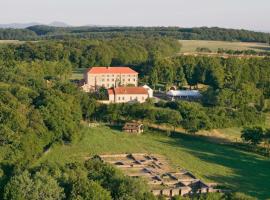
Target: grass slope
190 46
77 73
242 171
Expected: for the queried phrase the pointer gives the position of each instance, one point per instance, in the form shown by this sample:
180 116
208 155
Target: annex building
127 94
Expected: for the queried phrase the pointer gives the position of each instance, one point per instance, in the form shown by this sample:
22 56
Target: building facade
127 94
109 77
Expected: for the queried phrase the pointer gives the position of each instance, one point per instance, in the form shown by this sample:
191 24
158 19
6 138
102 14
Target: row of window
103 80
130 98
122 75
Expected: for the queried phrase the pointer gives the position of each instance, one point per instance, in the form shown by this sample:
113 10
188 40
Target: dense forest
41 107
202 33
85 53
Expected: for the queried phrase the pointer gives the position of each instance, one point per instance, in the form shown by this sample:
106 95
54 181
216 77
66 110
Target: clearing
11 42
243 171
77 74
190 46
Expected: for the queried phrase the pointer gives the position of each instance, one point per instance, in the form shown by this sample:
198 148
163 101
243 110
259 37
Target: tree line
86 53
202 33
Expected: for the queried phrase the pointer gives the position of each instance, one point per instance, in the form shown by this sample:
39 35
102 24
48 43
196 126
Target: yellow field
10 42
190 46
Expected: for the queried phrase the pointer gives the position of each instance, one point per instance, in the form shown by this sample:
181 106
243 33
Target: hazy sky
250 14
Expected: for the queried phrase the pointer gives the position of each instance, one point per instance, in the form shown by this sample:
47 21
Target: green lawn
245 172
78 73
190 46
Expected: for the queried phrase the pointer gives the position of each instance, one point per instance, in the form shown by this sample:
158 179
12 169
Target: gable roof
111 70
127 90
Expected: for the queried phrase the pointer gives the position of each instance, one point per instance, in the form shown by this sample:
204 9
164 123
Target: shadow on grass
260 48
251 173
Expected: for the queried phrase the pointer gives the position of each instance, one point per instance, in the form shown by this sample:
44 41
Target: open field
78 73
212 162
232 134
190 46
10 42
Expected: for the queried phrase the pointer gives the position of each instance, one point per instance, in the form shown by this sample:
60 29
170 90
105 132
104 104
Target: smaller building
190 95
133 127
149 90
127 94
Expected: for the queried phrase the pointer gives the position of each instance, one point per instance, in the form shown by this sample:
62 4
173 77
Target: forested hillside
203 33
40 107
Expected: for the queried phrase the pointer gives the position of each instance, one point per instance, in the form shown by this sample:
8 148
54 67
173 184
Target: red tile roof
111 70
128 90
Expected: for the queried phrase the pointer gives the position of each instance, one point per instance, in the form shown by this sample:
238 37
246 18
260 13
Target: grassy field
78 73
190 46
242 171
10 42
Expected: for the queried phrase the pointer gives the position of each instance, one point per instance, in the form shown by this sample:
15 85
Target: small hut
133 127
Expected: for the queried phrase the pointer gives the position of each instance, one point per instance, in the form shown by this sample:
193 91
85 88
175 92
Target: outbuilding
184 94
133 127
149 90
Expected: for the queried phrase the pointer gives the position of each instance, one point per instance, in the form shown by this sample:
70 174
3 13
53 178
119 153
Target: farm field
10 42
209 161
190 46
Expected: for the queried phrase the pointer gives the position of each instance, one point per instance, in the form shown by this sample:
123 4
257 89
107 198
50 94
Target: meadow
239 170
77 73
11 42
190 46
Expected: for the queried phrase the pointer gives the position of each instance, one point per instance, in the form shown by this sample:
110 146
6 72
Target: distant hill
59 24
18 25
26 25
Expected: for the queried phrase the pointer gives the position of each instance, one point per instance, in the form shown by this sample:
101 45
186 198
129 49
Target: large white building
109 77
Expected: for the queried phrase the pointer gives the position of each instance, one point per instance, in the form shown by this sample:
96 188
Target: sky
248 14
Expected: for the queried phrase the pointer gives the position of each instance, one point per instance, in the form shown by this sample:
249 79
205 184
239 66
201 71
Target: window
119 98
103 80
113 79
108 85
123 98
108 79
134 79
123 80
142 98
131 98
129 79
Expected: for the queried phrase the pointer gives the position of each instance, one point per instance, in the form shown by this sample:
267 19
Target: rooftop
128 90
111 70
191 93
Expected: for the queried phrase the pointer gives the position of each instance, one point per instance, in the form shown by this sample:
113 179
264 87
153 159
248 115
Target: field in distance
11 42
190 46
207 160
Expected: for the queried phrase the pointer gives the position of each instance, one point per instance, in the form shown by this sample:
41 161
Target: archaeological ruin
162 179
